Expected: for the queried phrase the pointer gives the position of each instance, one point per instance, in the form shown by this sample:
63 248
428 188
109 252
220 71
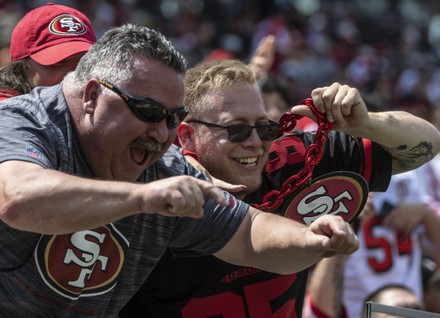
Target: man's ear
90 96
185 133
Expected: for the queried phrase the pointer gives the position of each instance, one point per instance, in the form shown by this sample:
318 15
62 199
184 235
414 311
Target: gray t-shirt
90 273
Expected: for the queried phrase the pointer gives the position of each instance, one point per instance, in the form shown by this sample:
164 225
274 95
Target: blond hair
212 74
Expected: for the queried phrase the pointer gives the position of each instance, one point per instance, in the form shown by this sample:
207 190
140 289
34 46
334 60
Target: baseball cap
219 54
50 34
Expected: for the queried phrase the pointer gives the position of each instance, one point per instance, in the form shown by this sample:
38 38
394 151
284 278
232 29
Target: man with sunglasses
93 191
229 132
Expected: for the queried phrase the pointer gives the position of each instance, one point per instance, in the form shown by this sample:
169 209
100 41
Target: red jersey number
258 298
403 241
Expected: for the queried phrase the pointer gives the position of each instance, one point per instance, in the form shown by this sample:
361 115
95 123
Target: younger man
229 132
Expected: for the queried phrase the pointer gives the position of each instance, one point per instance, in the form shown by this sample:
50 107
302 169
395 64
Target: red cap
50 34
219 54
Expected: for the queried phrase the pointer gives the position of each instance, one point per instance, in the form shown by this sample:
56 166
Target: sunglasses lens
239 133
174 118
267 132
150 112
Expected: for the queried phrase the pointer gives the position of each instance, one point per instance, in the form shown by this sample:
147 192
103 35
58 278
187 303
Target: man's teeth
247 161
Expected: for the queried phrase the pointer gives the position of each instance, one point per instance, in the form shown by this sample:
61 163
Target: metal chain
313 156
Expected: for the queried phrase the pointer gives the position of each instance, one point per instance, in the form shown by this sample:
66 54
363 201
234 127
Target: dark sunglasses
147 109
239 132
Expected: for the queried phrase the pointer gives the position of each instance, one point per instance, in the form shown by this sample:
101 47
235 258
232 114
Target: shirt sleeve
359 155
207 235
24 136
340 152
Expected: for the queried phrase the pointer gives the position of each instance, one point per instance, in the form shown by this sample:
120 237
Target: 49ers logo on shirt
342 193
82 264
67 24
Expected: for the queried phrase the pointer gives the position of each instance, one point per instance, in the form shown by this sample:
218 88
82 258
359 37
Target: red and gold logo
67 24
340 193
82 264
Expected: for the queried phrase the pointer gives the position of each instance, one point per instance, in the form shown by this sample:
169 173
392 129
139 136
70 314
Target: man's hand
406 216
342 105
179 196
264 56
332 235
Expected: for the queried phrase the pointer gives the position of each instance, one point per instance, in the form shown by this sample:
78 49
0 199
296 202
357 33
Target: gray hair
112 56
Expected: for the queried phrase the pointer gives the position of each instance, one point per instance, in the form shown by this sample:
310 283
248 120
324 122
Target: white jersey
429 176
385 256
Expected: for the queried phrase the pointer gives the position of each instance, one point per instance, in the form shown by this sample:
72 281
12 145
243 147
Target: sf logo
89 256
70 24
82 264
322 204
340 193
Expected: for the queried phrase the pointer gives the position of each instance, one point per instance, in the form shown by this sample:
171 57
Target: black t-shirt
205 286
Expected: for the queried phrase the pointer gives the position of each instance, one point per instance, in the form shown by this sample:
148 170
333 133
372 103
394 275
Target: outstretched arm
51 202
280 245
410 140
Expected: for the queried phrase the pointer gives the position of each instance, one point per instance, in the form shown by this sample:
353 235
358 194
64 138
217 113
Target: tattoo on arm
407 159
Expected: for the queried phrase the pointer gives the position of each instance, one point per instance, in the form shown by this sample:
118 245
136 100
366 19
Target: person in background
393 295
431 284
263 57
229 133
325 289
45 45
395 228
276 98
92 191
392 241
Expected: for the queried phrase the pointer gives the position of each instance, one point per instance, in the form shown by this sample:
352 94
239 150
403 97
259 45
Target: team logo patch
33 152
82 264
67 24
229 198
342 193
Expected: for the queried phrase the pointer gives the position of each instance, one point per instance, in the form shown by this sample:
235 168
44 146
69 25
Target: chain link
273 199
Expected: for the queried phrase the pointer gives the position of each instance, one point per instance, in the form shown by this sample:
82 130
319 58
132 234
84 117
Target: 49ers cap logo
342 193
82 264
67 24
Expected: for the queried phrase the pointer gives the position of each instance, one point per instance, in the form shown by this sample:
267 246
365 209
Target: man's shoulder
34 100
173 158
172 163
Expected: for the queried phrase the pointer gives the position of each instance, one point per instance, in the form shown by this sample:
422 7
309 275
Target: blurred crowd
389 49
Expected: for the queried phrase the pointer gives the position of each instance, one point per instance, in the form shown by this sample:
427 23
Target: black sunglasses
147 109
239 132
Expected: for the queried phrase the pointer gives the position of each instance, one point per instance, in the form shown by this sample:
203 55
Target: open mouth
138 155
140 149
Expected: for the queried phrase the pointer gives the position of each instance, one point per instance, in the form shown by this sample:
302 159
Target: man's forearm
412 141
280 245
62 203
